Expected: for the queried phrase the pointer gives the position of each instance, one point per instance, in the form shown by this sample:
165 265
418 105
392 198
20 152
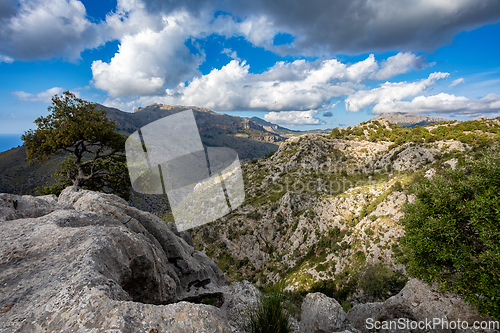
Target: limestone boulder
417 302
87 262
13 206
322 314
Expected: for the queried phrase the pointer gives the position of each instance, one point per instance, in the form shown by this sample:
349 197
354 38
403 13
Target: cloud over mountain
293 117
287 86
325 51
389 92
445 104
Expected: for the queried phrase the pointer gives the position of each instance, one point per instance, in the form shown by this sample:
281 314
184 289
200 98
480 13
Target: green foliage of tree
76 127
335 133
453 231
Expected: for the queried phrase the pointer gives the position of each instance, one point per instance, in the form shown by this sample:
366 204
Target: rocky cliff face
409 119
87 261
319 210
322 209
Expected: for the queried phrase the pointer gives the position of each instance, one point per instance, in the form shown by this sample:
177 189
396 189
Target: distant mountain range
250 139
274 128
409 119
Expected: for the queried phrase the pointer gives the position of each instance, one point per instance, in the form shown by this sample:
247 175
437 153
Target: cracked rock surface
87 261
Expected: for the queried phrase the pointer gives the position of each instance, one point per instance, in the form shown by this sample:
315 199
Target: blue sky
302 64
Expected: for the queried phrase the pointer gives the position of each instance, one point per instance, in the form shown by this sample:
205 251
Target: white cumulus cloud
390 92
294 117
39 29
298 85
399 64
286 86
444 103
149 60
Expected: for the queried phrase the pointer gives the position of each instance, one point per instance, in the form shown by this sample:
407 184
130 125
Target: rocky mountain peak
409 119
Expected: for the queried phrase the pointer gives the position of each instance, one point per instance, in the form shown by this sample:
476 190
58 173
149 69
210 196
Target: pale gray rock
13 206
195 267
417 302
239 297
322 314
100 266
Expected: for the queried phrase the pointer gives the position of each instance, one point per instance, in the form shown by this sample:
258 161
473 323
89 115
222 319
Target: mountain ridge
406 119
245 136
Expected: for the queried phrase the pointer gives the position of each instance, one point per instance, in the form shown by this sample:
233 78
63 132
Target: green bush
379 282
340 289
369 231
452 231
397 187
269 316
255 215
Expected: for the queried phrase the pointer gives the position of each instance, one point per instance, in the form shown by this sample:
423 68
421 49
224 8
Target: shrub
397 187
340 289
269 316
369 231
452 231
255 215
379 282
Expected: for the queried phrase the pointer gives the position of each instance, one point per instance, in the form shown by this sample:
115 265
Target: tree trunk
80 177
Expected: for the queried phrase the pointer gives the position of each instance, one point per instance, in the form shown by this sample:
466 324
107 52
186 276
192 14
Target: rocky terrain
250 139
322 211
88 262
320 217
284 132
323 200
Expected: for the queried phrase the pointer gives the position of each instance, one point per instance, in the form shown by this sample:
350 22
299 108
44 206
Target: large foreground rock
87 261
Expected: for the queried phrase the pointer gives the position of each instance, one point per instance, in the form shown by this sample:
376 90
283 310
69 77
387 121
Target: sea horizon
9 141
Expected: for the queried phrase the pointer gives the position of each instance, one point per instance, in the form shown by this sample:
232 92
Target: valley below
321 222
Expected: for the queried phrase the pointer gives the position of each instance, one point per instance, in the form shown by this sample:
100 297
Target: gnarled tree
77 128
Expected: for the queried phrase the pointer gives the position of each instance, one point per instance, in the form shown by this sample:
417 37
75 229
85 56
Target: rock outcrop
340 198
417 302
87 261
416 308
323 314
